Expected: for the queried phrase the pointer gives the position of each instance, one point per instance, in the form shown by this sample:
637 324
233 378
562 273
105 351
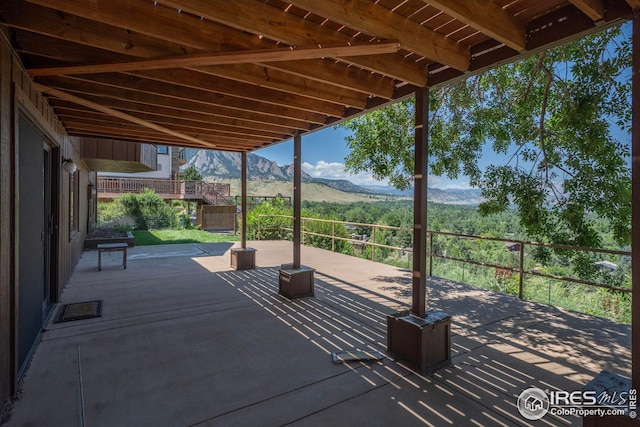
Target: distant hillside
222 165
225 165
311 191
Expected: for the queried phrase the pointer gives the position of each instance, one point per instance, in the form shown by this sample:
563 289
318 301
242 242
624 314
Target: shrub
138 210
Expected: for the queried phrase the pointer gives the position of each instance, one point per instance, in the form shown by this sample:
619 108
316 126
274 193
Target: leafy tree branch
550 118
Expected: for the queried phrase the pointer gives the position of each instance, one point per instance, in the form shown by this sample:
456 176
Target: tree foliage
191 174
549 116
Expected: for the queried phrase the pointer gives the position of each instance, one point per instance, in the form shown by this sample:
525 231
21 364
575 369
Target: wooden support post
244 258
296 281
243 204
297 178
419 290
420 338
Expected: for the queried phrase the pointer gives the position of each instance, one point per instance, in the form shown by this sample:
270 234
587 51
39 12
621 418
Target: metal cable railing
516 246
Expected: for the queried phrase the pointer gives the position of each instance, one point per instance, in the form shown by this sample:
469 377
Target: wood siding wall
6 227
18 96
104 155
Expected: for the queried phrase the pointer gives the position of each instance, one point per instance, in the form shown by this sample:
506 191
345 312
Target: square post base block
609 384
423 343
296 283
243 258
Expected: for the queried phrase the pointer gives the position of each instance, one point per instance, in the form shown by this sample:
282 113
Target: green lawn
165 237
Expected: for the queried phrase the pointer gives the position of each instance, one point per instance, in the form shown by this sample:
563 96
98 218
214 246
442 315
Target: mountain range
226 165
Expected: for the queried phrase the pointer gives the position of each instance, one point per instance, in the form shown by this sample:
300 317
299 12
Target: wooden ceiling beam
341 76
169 114
66 26
263 76
145 18
222 58
146 139
264 20
384 23
194 85
594 9
73 121
110 111
126 90
47 49
215 143
188 33
181 126
310 81
487 17
123 132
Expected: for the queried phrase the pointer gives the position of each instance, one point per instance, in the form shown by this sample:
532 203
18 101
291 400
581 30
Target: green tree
191 174
548 116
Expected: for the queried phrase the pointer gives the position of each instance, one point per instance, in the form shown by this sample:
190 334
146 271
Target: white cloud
335 170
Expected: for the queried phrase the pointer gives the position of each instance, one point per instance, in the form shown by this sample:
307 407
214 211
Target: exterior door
34 237
48 220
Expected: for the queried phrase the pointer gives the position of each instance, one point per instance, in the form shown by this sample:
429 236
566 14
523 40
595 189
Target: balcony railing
212 193
466 247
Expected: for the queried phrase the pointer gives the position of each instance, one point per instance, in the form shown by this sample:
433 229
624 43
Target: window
163 149
74 204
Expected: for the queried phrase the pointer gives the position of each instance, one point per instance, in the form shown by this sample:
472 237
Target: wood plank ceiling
243 74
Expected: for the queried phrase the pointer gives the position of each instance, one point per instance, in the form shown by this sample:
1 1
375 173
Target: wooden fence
210 217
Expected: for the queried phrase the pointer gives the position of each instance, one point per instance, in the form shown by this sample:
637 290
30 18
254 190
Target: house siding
19 97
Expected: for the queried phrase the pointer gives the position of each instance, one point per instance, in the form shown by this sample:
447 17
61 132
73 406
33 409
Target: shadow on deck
186 341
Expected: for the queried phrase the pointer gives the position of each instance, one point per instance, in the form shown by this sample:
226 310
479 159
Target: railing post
259 228
302 229
373 243
521 268
430 254
333 237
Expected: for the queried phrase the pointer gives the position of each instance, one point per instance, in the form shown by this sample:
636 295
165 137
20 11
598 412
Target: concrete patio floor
186 341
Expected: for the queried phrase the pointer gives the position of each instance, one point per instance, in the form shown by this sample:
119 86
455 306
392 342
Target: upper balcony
108 155
169 189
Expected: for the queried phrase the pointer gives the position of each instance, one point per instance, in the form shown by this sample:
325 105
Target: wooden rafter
265 20
594 9
266 77
182 126
217 106
388 24
115 113
487 17
177 114
190 84
206 59
188 33
233 97
305 77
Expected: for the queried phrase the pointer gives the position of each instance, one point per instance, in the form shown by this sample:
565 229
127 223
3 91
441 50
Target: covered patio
185 340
